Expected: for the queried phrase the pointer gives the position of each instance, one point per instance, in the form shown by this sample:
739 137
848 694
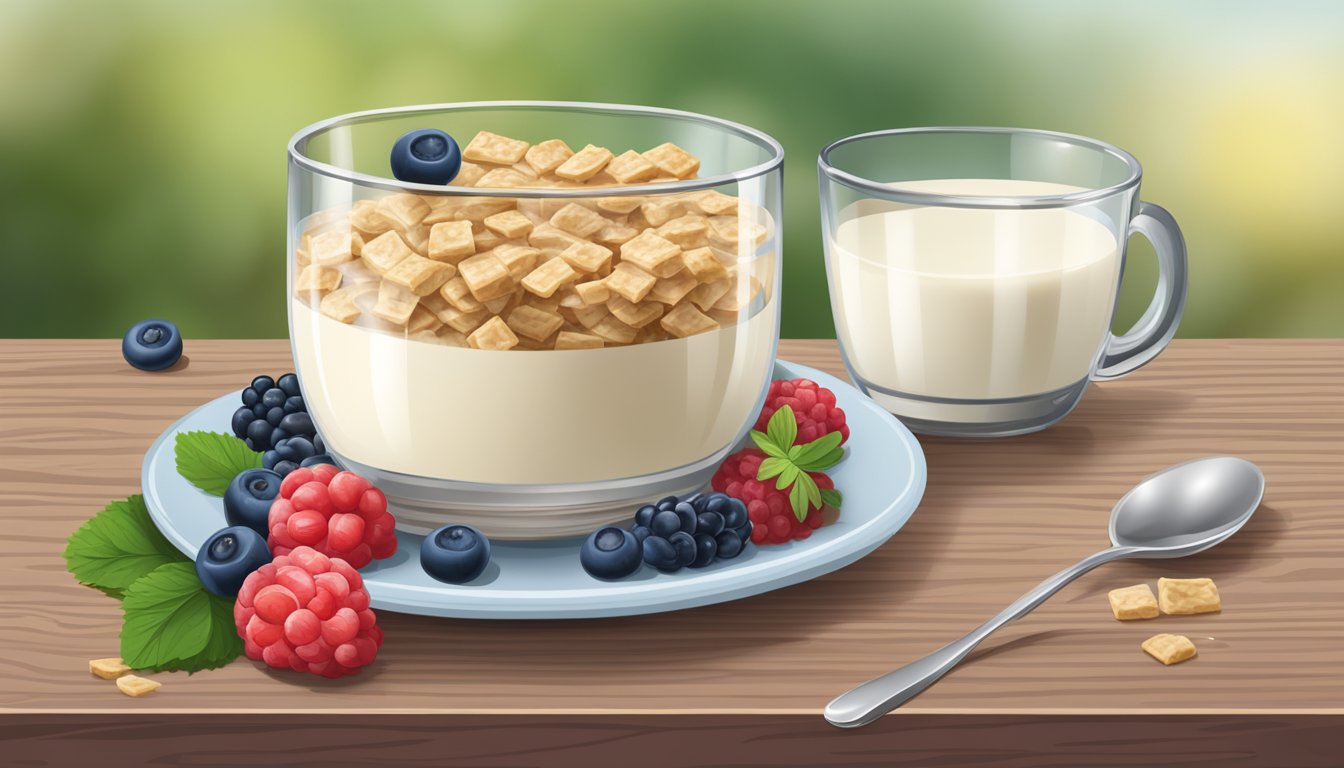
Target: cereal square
590 316
706 295
422 276
1169 649
317 278
463 322
631 167
634 315
673 160
108 669
619 206
577 220
614 235
653 254
340 305
587 257
486 276
493 334
517 259
576 340
704 265
713 203
504 178
384 252
613 330
468 175
658 211
630 282
1186 596
550 236
365 217
593 292
487 147
403 209
685 320
509 224
548 155
534 323
546 279
331 248
1136 602
457 294
671 290
395 303
684 229
584 164
136 686
423 319
451 241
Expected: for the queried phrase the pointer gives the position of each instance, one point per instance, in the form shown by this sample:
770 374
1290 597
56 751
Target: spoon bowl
1187 508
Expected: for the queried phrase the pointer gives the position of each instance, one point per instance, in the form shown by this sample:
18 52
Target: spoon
1179 511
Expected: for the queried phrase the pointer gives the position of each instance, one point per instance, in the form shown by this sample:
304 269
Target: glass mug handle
1140 344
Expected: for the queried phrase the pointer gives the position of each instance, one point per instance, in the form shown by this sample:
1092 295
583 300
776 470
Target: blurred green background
142 144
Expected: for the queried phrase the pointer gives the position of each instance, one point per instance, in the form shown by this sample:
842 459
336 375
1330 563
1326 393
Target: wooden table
744 683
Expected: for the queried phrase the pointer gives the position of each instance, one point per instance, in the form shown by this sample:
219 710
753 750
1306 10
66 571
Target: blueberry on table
426 156
227 557
610 553
684 545
247 500
152 345
455 554
706 547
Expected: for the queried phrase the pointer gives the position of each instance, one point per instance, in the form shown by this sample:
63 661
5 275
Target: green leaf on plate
763 442
117 546
814 455
782 428
832 498
210 460
772 467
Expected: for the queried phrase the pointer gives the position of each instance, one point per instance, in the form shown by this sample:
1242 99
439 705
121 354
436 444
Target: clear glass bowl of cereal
584 319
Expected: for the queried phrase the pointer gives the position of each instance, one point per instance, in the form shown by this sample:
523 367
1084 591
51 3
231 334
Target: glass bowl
534 349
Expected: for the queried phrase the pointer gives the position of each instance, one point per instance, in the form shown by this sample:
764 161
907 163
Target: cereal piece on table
653 254
422 276
504 178
384 252
340 305
395 303
423 319
486 276
631 167
593 292
331 248
589 316
403 209
135 686
451 241
630 281
704 265
657 211
1136 602
634 315
468 175
673 160
317 278
365 217
456 293
576 340
613 330
1169 649
550 236
578 220
510 224
546 156
487 147
619 206
586 257
1187 596
108 669
519 260
493 334
684 229
546 279
463 322
706 295
671 290
712 202
533 323
685 320
584 164
614 235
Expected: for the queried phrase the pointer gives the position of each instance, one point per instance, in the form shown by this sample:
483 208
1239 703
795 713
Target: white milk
972 303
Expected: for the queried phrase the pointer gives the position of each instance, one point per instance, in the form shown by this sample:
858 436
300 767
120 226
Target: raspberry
339 514
773 521
307 612
813 408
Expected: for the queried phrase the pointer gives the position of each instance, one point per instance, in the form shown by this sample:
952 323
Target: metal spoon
1179 511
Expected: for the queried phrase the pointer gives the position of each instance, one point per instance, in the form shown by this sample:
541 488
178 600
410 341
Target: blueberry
610 553
709 522
277 435
294 404
665 523
259 411
685 512
705 550
455 554
298 424
716 502
660 553
247 500
269 458
644 515
273 397
684 544
259 432
426 156
320 458
241 418
262 383
152 345
283 468
730 544
667 502
289 383
301 447
275 415
735 515
226 558
641 532
251 397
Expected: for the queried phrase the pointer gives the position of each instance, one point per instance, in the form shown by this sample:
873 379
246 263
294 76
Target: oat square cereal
108 669
451 241
468 175
317 278
331 248
395 303
340 305
671 290
657 211
422 276
1187 596
508 224
533 323
631 167
619 206
486 276
1136 602
578 220
630 282
586 257
546 156
704 265
1169 649
548 235
135 686
517 259
384 252
653 254
493 334
584 164
634 315
546 279
613 330
487 147
457 294
576 340
463 322
504 178
593 292
673 160
614 235
403 209
685 320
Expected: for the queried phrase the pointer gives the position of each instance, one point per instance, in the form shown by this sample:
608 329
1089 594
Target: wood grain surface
997 518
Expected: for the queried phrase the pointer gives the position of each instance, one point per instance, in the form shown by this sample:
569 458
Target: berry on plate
152 345
227 557
693 531
813 406
247 500
455 554
273 413
426 156
611 553
339 514
307 612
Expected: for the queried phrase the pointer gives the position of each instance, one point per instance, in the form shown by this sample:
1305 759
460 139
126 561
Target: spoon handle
869 701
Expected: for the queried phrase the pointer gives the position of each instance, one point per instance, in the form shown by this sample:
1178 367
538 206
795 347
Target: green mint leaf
117 546
763 442
209 460
798 501
810 488
787 477
811 454
170 622
795 452
773 467
782 428
831 497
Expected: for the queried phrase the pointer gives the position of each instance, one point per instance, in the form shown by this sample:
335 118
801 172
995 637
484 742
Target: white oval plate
882 478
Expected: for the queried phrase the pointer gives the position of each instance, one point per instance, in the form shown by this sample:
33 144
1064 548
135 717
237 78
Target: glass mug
973 272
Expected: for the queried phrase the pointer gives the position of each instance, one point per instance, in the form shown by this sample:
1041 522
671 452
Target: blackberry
271 418
694 531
